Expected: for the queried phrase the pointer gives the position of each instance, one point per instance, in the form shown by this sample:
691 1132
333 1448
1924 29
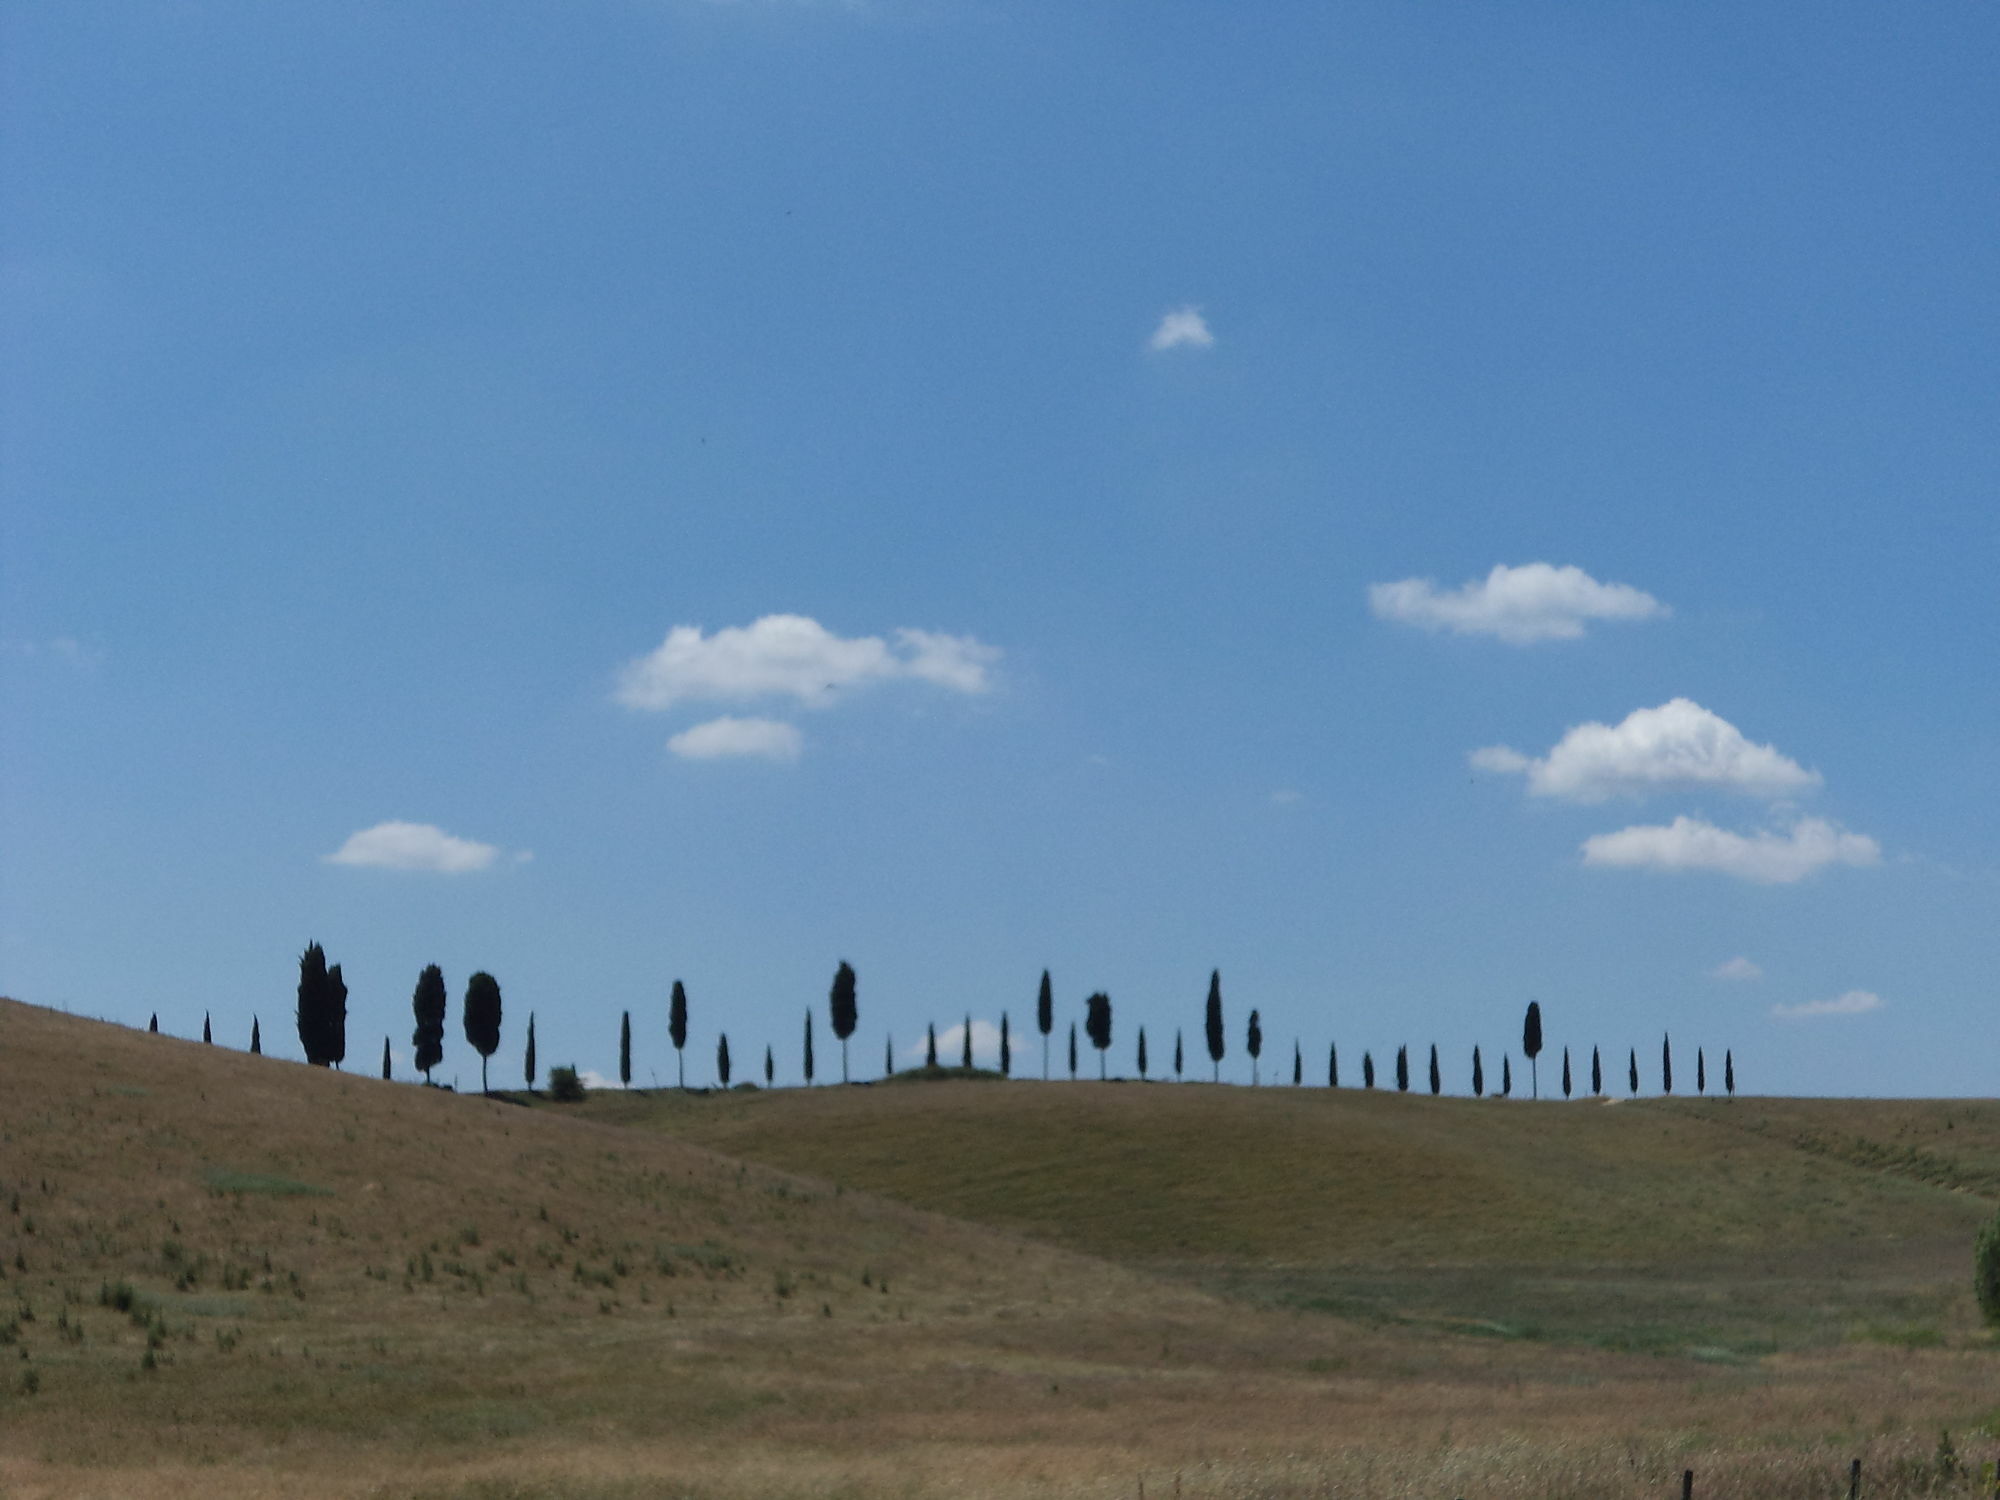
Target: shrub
564 1085
1986 1271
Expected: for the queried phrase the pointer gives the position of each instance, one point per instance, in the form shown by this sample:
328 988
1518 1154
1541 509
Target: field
227 1275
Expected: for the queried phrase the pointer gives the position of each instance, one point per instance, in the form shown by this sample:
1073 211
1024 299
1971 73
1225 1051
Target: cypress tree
809 1047
965 1059
677 1030
843 1010
482 1019
385 1060
1142 1053
1531 1045
1596 1076
1333 1065
1368 1070
1177 1054
1478 1074
1666 1064
336 1016
256 1039
1700 1072
207 1035
770 1067
625 1050
1045 1019
1565 1072
1256 1044
888 1056
722 1058
1437 1078
930 1044
153 1026
1632 1066
1006 1048
1402 1070
1072 1052
528 1056
427 1003
1506 1076
1097 1021
1213 1021
1729 1072
312 1005
1298 1064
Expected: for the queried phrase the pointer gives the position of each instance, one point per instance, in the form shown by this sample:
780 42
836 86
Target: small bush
565 1087
1986 1271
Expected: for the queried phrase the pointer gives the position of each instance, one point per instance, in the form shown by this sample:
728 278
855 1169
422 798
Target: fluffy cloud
1853 1003
1766 858
951 1046
718 739
1184 327
415 846
1678 744
1738 968
791 656
1522 605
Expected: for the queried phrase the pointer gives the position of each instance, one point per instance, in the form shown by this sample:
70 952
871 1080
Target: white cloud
413 846
590 1078
791 656
1183 327
1537 602
951 1046
1853 1003
1767 858
1678 744
1738 968
762 739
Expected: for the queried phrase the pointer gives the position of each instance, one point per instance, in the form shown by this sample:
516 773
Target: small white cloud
413 846
726 737
1184 327
1737 969
1853 1003
1766 858
792 656
951 1046
590 1078
1536 602
1680 744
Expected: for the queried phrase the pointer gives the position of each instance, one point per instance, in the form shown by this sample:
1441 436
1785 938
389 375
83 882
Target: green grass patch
267 1184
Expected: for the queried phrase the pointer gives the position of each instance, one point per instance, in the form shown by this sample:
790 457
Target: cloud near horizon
1679 744
1182 328
1737 969
1853 1003
416 846
1521 606
951 1046
1764 858
732 738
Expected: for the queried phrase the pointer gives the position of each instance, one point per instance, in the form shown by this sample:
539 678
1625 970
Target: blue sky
639 489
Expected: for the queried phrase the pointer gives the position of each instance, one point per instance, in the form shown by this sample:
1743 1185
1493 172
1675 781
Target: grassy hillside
234 1276
1801 1221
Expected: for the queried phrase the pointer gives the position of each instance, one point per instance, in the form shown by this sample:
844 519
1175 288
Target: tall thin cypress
427 1004
1255 1041
809 1047
1333 1065
1506 1076
1729 1073
1478 1074
843 1010
1298 1063
1437 1078
528 1056
1367 1070
722 1058
1666 1064
1596 1076
1402 1070
385 1059
930 1044
1565 1072
1006 1048
965 1057
1700 1072
1531 1045
625 1050
1072 1052
1045 1019
207 1035
770 1066
312 1005
1142 1053
1632 1069
888 1056
256 1038
153 1026
677 1031
1177 1054
336 1016
1212 1020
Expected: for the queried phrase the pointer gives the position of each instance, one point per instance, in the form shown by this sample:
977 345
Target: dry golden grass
613 1312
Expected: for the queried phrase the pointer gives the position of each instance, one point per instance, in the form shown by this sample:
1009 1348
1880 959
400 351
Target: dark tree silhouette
677 1031
482 1019
427 1003
842 1010
1045 1019
385 1059
528 1056
1596 1076
625 1050
1006 1048
256 1038
1437 1078
1402 1070
1531 1045
930 1044
1213 1021
1097 1021
1632 1069
1506 1076
1298 1064
1333 1065
722 1058
965 1055
1072 1051
1368 1070
1700 1072
207 1035
1177 1054
336 1015
1255 1041
1142 1052
1729 1073
770 1067
1565 1072
315 1007
809 1047
1666 1064
888 1056
1478 1074
153 1025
